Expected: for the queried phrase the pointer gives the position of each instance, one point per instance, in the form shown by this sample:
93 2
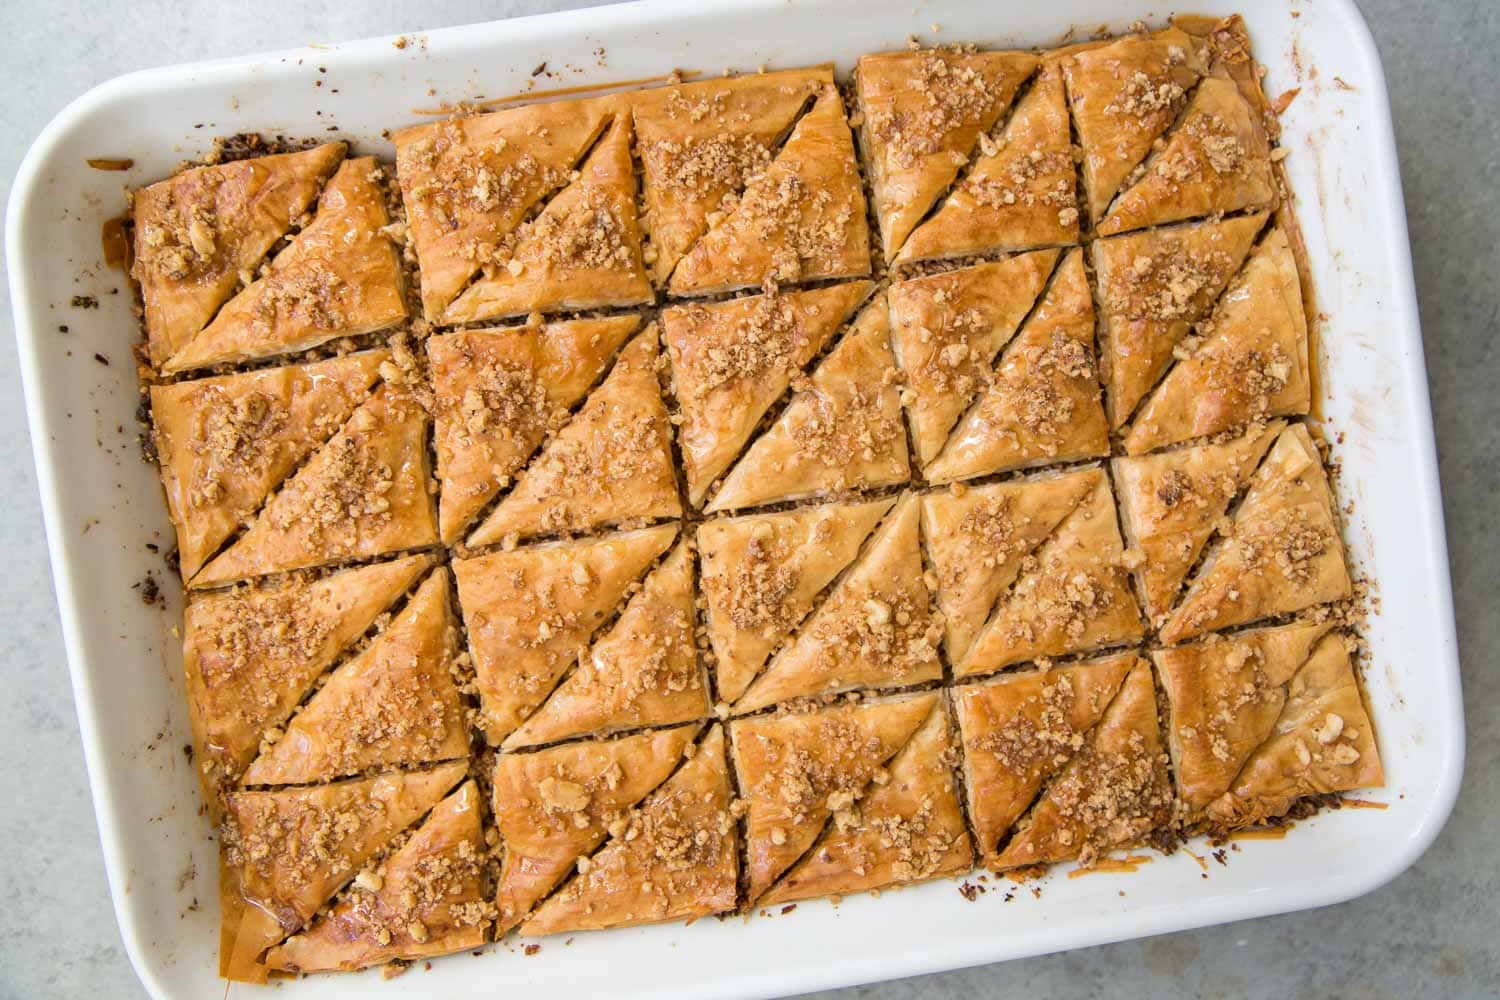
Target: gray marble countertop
1431 930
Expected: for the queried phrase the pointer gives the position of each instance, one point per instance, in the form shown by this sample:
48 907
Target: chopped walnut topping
1169 284
755 594
1113 798
234 438
763 343
1144 100
352 487
805 783
952 96
1035 747
722 162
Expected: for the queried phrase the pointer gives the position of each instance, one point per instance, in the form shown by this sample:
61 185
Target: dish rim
1428 521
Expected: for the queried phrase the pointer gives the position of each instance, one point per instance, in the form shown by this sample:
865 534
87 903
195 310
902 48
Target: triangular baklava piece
556 806
468 183
643 672
701 143
251 654
1042 404
946 330
1153 286
800 218
1124 96
1020 730
393 705
426 899
1322 742
530 612
840 431
979 538
924 112
1216 160
225 443
909 828
1073 594
1248 362
1282 552
763 573
1171 502
1021 191
339 277
798 771
363 494
1225 695
732 360
876 629
676 857
292 849
498 393
582 252
611 464
1111 793
196 233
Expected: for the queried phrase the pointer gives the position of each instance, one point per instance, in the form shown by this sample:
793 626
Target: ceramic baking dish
103 503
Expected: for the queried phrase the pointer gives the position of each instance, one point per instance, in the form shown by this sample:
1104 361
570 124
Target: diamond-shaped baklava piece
1042 404
763 573
675 857
1124 96
289 851
554 807
363 494
876 629
840 431
1248 361
980 538
470 183
1020 190
801 773
1262 718
1171 502
252 653
425 899
1021 730
643 672
225 443
1214 161
1111 793
498 393
947 329
395 704
1281 552
799 218
1072 595
611 464
583 251
924 112
701 143
198 232
530 613
731 361
1153 286
340 276
908 828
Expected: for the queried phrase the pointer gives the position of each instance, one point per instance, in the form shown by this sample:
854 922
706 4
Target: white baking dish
103 503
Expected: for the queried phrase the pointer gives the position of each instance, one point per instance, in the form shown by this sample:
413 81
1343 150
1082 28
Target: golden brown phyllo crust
674 502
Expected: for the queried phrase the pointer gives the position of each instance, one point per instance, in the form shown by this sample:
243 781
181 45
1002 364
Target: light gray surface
1434 927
